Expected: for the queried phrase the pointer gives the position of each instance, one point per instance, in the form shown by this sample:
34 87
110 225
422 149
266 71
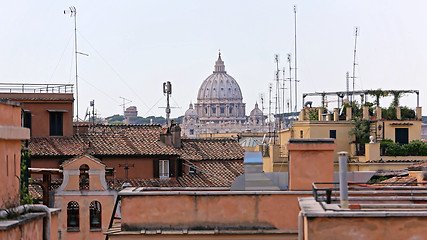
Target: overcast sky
134 46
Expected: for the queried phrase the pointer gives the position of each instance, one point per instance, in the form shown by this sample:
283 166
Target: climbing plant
26 197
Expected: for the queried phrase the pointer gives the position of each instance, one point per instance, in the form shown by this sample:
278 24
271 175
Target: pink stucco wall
310 162
356 228
32 230
276 211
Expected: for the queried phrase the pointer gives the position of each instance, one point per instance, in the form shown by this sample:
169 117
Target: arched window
84 177
95 215
73 216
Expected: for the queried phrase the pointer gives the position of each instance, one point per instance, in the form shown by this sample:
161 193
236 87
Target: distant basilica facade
220 108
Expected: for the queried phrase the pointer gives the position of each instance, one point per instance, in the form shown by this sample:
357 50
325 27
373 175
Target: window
402 136
84 177
192 169
222 110
95 215
55 123
213 110
163 168
191 131
27 120
333 134
301 134
73 216
231 110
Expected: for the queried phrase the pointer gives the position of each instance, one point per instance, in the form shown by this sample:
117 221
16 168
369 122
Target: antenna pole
167 89
283 92
354 60
124 104
269 108
348 85
73 13
295 57
276 59
290 81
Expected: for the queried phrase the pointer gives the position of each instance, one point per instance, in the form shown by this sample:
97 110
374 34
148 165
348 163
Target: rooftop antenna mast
290 81
261 96
283 91
270 86
295 57
347 77
73 13
356 33
167 89
276 59
125 101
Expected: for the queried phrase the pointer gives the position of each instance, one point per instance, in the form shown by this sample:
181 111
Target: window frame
333 133
94 211
163 174
73 211
56 123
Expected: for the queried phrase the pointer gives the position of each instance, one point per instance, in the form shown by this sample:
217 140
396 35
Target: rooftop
137 140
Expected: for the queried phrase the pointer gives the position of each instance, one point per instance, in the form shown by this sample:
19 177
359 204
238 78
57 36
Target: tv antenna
356 33
125 101
295 57
167 90
290 80
73 13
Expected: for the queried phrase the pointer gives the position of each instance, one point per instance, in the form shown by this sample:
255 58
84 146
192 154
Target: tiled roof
208 174
211 149
402 160
418 166
399 181
105 140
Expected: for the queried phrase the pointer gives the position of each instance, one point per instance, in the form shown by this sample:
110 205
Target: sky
136 45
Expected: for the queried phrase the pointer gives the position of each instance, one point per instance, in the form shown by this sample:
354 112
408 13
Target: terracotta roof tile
399 181
208 174
211 149
106 140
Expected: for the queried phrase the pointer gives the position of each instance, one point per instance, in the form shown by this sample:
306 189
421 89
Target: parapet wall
198 210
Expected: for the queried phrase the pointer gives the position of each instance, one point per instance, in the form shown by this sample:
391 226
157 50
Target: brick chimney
171 136
175 130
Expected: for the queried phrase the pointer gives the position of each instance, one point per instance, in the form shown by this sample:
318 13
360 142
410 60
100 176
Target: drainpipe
343 179
30 208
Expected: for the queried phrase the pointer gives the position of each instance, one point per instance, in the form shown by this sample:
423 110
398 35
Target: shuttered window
163 168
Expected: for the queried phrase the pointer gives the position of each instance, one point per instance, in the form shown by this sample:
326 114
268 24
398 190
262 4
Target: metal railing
35 88
376 192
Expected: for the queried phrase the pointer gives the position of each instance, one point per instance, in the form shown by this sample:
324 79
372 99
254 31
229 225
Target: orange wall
310 162
10 162
40 117
365 228
215 210
10 115
32 230
143 167
107 204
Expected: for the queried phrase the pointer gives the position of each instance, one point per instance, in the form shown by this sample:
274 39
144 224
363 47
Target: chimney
343 179
171 136
166 136
175 130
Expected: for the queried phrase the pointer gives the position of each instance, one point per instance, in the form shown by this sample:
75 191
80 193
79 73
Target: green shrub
414 148
407 113
389 113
